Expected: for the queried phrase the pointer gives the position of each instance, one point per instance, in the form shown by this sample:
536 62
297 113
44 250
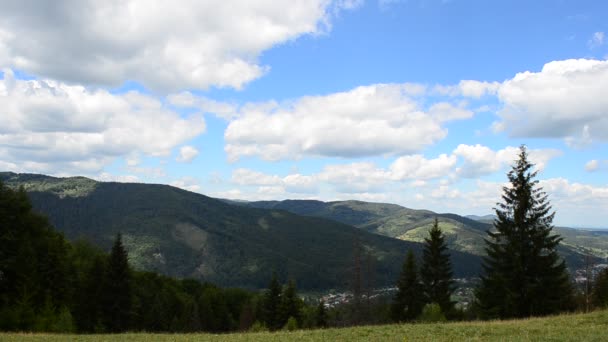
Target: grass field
576 327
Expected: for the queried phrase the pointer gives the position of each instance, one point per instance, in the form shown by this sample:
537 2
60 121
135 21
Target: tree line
523 273
50 284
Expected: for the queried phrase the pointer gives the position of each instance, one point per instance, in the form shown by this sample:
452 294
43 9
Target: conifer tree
117 289
600 290
272 302
524 274
409 300
321 315
436 270
290 304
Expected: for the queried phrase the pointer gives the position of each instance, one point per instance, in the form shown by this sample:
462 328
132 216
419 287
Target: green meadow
572 327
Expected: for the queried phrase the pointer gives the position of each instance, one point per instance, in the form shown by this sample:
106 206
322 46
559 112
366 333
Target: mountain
465 234
185 234
485 218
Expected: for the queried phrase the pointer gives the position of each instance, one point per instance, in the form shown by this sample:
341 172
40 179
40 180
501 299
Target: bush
291 325
432 313
258 327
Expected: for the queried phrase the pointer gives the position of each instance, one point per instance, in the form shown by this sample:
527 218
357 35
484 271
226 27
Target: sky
422 103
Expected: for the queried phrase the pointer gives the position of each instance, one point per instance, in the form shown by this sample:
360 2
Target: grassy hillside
576 327
463 233
184 234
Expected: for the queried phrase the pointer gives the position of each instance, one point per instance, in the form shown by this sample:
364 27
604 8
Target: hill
184 234
574 327
463 233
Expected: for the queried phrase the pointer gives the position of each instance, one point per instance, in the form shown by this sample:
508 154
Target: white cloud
51 127
186 99
469 88
297 183
419 168
380 119
187 183
187 154
107 177
165 45
597 39
566 99
250 177
445 192
592 165
481 160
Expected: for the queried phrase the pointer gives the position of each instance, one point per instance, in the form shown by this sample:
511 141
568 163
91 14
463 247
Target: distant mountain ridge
185 234
465 234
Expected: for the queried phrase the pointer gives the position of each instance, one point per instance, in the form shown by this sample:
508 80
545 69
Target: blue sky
421 102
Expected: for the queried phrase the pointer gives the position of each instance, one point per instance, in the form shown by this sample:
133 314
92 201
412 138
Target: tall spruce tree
409 300
524 275
291 304
117 289
600 290
272 303
436 270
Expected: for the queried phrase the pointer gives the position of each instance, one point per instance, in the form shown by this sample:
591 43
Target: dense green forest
182 234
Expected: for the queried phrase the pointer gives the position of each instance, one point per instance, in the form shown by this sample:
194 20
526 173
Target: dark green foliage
600 290
187 235
524 275
272 302
409 299
432 313
321 315
462 233
34 264
117 289
291 304
436 271
50 285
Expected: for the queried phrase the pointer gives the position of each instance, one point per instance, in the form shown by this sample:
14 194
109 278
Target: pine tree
409 300
272 302
524 275
600 290
117 289
290 304
321 315
436 270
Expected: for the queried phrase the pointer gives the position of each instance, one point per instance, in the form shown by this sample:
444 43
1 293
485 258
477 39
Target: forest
50 284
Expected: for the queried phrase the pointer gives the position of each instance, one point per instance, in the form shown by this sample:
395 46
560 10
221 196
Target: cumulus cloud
361 177
186 154
419 168
187 183
566 99
165 45
293 183
251 177
49 126
479 160
186 99
592 165
381 119
469 88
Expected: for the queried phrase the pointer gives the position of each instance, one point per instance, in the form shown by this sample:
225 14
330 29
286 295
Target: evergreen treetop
524 275
436 270
409 300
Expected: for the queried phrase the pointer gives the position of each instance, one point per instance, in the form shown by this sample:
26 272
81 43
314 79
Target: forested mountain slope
463 233
184 234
